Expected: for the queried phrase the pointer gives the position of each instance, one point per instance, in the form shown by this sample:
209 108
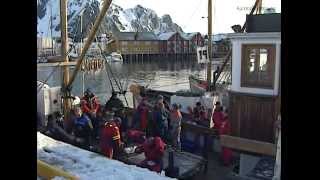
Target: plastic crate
188 146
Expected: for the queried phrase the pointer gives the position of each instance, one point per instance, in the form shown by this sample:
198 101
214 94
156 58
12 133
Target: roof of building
139 36
189 36
149 36
166 36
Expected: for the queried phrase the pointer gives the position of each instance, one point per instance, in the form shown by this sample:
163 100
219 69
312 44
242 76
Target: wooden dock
72 63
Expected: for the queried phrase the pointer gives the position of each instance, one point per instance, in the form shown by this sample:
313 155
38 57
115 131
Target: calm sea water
161 75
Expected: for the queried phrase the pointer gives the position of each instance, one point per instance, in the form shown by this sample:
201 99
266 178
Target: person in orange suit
110 141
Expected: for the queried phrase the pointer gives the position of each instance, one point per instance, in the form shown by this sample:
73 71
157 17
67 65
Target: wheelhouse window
258 65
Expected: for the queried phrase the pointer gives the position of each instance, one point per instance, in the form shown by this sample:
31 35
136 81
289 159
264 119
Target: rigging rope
45 82
254 8
190 18
121 90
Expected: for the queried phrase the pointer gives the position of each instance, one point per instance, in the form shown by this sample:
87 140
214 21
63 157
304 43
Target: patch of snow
58 178
165 36
125 18
88 165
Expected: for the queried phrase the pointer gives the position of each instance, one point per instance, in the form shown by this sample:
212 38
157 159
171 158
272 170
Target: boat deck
216 171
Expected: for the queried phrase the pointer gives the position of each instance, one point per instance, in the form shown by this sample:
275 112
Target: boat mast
209 43
51 28
64 56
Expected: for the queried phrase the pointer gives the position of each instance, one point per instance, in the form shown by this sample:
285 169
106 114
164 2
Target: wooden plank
71 63
248 145
47 171
198 128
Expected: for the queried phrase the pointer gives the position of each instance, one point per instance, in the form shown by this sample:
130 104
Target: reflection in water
165 75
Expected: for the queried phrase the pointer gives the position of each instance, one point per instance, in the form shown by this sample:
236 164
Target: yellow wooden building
135 43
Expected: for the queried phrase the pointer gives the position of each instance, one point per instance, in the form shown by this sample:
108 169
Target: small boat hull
197 85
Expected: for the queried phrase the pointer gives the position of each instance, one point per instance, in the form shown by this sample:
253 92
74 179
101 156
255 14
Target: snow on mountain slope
117 19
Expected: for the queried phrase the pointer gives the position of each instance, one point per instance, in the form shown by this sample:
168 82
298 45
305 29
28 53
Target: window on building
258 65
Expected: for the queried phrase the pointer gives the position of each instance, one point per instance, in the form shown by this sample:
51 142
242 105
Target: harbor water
159 75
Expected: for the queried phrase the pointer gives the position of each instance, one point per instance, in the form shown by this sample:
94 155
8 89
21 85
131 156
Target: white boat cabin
255 89
256 63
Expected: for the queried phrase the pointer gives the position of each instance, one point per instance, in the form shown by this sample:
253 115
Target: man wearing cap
110 141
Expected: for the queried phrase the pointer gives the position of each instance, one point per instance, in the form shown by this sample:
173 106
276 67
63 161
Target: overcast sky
188 13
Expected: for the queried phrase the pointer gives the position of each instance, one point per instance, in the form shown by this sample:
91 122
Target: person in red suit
217 116
91 107
90 103
225 129
136 136
110 141
143 110
153 149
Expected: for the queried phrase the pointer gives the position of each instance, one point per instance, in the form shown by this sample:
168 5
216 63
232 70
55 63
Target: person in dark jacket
114 103
160 117
83 127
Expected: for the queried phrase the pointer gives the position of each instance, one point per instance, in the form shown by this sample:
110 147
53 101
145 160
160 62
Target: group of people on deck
164 121
220 122
152 127
159 120
109 126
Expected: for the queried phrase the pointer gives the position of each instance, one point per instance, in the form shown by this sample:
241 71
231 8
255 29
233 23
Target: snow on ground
58 178
88 165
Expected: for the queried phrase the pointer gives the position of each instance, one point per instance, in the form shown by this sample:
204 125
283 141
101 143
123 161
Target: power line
196 9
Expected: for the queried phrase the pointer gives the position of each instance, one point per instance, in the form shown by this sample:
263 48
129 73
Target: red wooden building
180 43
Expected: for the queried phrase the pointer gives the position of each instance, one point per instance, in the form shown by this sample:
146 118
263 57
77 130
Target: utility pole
64 55
209 43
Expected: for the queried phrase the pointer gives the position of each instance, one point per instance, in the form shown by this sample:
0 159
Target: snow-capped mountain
117 18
